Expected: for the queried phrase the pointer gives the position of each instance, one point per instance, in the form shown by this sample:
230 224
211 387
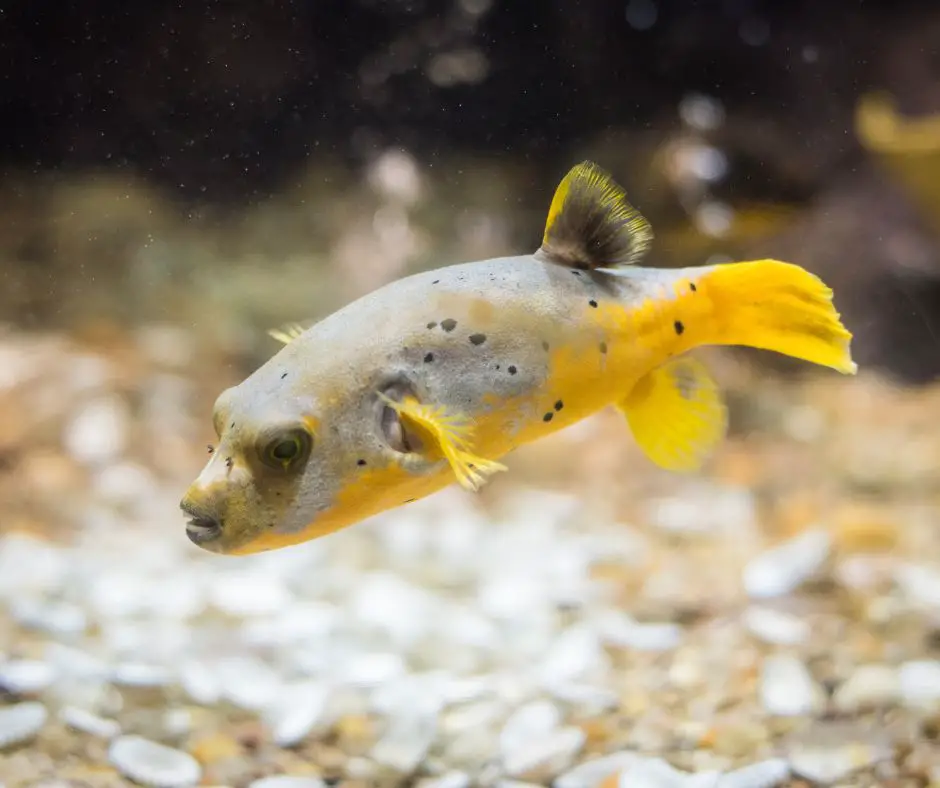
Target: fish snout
205 523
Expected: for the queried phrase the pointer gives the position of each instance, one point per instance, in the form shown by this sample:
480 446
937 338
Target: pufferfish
434 378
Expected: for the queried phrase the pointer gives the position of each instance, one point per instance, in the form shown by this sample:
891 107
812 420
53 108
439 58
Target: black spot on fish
210 448
497 366
449 324
692 286
436 281
283 375
576 272
360 463
477 339
603 347
231 426
593 303
679 327
512 369
411 500
432 325
229 462
545 346
548 416
559 405
429 358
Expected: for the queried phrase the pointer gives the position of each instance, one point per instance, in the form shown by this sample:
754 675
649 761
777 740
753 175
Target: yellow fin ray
287 333
591 224
676 415
451 434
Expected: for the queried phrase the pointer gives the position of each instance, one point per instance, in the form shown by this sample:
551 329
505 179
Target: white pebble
482 715
26 676
920 683
775 627
249 683
120 594
402 611
532 721
287 781
587 698
297 713
21 722
656 773
371 669
140 675
451 779
590 773
784 568
77 664
248 594
85 721
828 765
868 687
575 654
787 689
54 618
98 432
920 585
200 682
177 722
153 764
765 774
406 742
619 629
546 756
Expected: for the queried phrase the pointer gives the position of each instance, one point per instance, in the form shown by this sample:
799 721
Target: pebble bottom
530 640
152 764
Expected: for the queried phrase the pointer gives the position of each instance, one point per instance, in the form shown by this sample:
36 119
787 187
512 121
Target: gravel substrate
770 622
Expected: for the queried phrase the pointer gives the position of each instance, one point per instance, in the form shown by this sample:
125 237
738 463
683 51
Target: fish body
437 376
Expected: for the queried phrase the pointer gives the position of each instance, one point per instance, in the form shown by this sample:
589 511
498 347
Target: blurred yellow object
910 147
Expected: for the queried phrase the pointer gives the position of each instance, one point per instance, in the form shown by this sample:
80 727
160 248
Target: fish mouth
201 528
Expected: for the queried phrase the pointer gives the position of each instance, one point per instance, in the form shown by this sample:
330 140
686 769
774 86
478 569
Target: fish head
294 464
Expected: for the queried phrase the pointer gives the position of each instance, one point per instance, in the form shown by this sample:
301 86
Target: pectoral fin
448 435
676 414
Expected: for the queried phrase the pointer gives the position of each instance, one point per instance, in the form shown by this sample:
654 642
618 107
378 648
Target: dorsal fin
590 223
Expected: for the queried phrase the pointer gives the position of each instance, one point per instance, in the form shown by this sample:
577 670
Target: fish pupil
285 450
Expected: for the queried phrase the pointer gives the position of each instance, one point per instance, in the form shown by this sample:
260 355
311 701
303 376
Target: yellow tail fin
776 306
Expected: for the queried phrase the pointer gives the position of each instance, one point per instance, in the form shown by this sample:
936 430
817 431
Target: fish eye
287 450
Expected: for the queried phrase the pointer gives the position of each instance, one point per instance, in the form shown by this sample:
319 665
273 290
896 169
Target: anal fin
449 434
676 414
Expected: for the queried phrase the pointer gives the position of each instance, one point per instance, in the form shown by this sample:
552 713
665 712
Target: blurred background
176 178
